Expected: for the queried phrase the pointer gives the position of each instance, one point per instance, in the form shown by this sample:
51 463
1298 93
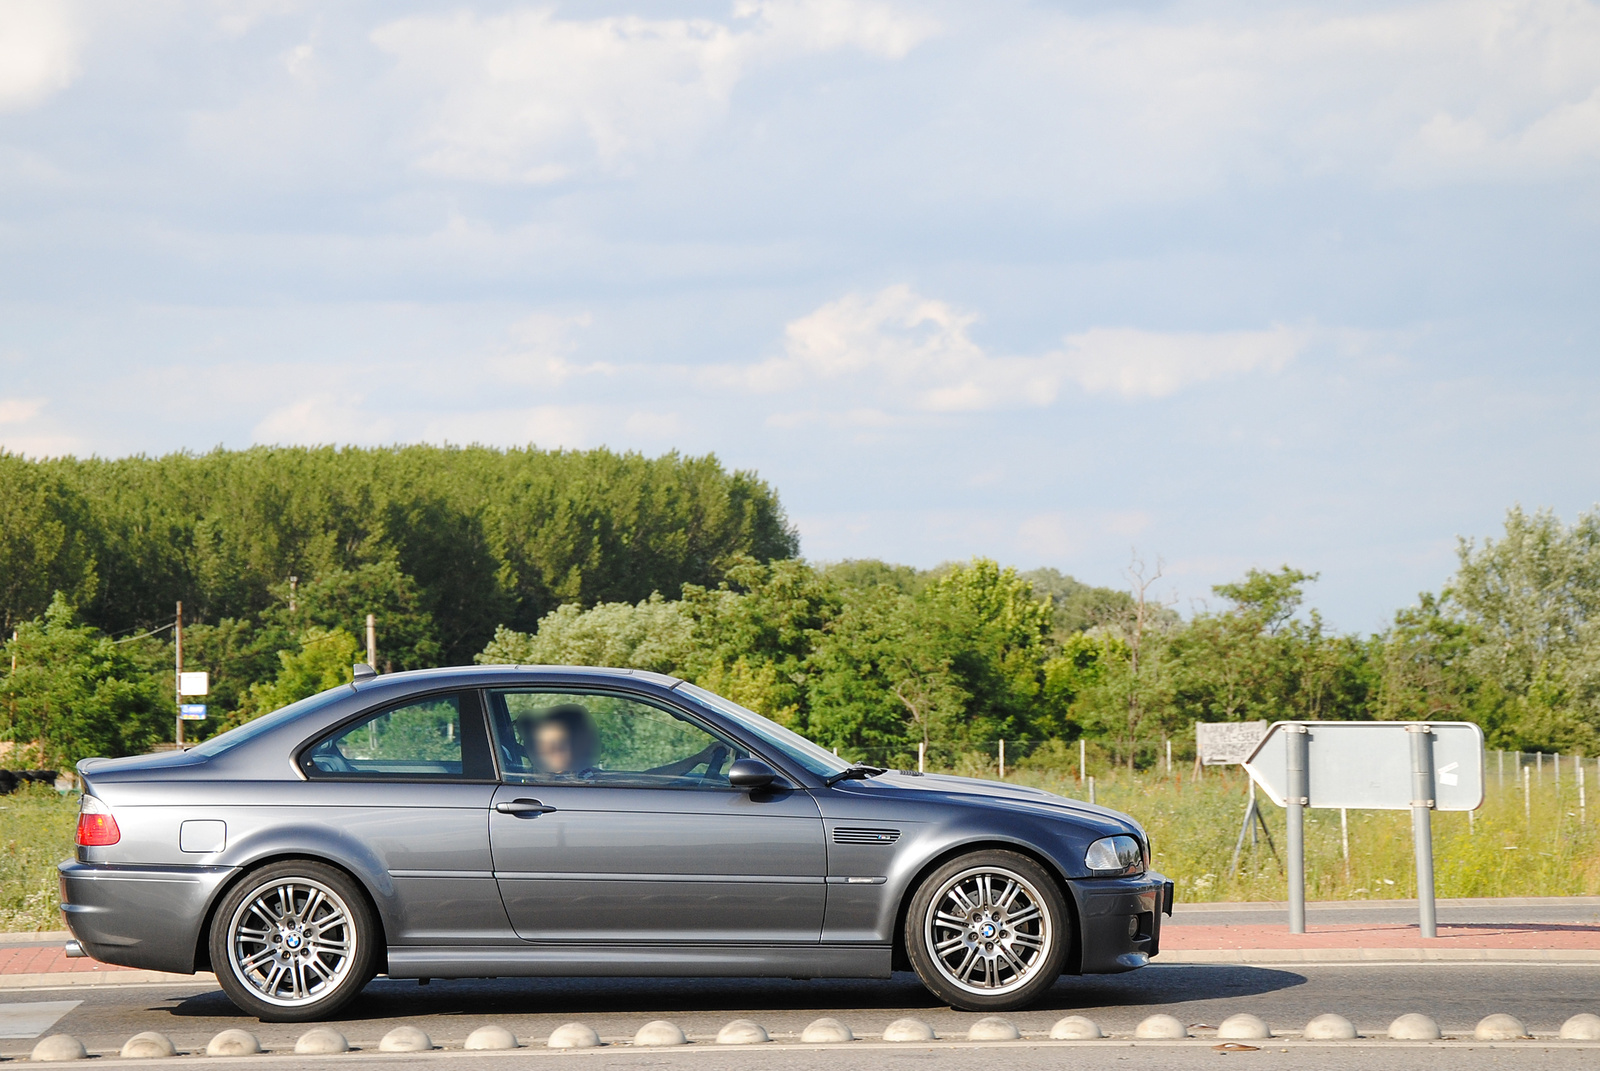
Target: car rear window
267 722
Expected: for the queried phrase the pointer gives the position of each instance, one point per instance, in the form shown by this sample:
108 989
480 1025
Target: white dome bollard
742 1032
1413 1026
573 1036
826 1032
491 1037
659 1032
909 1030
1243 1027
233 1042
1160 1027
1330 1027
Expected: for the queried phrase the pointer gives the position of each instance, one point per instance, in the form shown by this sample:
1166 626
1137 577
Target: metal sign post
1377 765
1422 823
1295 768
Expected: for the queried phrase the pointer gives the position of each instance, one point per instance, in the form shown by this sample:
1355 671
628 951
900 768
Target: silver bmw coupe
556 821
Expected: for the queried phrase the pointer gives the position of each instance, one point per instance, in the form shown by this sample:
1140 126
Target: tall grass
37 828
1551 850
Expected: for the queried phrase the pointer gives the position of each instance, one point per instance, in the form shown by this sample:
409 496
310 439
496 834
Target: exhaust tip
75 951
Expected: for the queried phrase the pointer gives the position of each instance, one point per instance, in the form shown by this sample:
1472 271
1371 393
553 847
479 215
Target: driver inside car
563 740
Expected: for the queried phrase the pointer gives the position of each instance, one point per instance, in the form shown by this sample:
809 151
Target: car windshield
819 760
267 722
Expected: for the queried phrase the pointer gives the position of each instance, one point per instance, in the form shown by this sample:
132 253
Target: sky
1210 286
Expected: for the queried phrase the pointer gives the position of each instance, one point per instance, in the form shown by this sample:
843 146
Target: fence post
1583 803
1169 756
922 755
1002 760
1527 794
1083 764
1091 790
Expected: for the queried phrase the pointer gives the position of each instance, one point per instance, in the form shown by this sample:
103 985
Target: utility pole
372 641
177 678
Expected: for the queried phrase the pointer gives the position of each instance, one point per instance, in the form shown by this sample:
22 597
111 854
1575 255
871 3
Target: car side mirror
751 773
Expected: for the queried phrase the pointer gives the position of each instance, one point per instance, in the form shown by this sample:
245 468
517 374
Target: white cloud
531 97
39 45
1155 364
1138 103
24 429
909 352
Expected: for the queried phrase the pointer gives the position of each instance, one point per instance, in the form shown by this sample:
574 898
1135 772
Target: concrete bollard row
322 1040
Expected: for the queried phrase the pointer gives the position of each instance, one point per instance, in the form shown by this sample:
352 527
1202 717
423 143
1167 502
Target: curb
1203 906
1256 956
80 979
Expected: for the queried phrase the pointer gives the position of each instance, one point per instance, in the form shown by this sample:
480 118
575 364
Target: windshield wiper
855 772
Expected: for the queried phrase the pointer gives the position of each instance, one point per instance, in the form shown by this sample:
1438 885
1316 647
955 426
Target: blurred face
552 745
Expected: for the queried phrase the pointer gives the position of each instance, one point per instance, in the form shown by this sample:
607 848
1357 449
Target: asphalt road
1457 995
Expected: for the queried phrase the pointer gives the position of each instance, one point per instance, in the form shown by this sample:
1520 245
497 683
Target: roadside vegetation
37 827
678 565
1553 850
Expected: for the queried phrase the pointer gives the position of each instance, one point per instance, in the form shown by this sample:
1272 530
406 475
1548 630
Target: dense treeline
675 564
874 659
442 544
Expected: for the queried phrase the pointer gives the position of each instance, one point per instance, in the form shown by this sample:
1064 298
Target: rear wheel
294 941
988 931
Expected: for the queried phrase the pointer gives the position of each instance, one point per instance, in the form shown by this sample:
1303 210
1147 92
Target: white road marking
31 1020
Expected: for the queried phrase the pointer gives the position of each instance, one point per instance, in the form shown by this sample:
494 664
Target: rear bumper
1119 921
139 916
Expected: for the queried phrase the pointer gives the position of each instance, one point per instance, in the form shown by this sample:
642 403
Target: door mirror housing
751 773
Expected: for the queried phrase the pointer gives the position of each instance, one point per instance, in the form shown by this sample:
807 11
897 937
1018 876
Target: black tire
294 942
988 931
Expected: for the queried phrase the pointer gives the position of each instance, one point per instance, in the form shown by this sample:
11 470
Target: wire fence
1533 774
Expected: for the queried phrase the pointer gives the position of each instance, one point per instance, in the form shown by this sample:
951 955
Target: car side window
575 738
419 740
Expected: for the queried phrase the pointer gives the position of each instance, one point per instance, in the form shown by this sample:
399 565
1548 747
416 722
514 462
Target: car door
412 783
615 822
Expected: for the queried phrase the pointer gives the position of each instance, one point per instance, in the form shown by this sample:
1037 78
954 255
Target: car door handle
523 808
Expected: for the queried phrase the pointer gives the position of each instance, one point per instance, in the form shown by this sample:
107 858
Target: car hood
1001 794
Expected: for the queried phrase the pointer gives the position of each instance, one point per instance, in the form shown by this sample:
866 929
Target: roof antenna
362 672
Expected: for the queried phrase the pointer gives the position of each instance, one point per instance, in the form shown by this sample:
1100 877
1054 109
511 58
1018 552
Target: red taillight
96 827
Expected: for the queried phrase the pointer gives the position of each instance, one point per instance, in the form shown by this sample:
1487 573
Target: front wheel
293 941
988 931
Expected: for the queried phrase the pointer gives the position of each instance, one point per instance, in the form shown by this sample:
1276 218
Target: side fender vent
842 835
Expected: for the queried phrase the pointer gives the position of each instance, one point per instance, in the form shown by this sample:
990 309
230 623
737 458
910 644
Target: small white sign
1227 743
194 683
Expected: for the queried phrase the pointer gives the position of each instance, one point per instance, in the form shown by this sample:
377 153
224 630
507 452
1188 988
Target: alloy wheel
291 941
988 930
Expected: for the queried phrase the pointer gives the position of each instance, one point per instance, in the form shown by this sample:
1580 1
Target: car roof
478 673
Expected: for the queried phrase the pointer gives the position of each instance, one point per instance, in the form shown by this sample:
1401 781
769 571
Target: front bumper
139 916
1119 921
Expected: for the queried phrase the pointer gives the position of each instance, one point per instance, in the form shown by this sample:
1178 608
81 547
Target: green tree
76 693
1530 604
652 634
322 660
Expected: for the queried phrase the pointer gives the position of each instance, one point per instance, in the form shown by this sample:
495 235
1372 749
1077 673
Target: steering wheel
714 761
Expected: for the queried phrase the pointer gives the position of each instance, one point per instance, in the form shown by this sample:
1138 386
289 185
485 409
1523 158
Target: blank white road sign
1367 764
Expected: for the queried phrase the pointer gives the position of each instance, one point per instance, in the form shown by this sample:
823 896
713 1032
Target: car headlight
1119 855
